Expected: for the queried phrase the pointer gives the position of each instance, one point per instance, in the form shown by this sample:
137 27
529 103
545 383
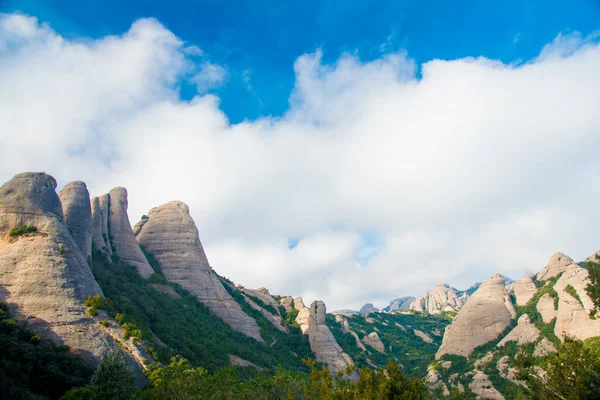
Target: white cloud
209 77
477 167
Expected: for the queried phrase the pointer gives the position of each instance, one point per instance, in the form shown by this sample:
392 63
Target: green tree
113 380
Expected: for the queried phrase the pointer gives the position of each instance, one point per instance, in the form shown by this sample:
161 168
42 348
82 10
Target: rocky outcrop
594 257
543 348
400 304
558 264
287 303
482 387
484 316
44 278
346 328
274 319
368 309
372 339
423 336
573 317
170 234
545 307
525 332
322 343
75 200
508 372
524 290
100 237
126 248
441 299
345 312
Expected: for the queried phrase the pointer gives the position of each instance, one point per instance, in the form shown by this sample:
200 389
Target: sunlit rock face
170 235
441 299
77 211
483 317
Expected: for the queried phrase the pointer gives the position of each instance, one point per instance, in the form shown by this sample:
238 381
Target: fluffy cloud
474 168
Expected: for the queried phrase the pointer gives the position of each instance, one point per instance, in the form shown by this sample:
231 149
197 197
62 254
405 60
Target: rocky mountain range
74 270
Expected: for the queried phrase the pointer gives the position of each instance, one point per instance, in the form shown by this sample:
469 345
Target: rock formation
573 318
543 348
545 307
482 387
525 332
345 312
425 337
287 303
368 309
524 290
346 328
322 343
75 200
441 299
558 264
44 278
399 304
170 234
121 235
484 316
372 339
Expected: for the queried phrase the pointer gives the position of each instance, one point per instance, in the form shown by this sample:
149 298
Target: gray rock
170 234
524 290
121 235
558 264
368 309
443 298
287 303
482 387
44 277
543 348
372 339
399 304
98 242
483 317
104 201
77 211
545 307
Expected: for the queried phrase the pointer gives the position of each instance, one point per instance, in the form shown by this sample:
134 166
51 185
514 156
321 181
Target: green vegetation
262 304
593 288
186 326
396 332
35 368
571 290
21 231
546 330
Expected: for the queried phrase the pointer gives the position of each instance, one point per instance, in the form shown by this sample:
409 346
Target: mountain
399 304
367 309
443 298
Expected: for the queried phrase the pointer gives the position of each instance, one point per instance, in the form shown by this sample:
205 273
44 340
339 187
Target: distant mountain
443 298
345 312
399 304
368 309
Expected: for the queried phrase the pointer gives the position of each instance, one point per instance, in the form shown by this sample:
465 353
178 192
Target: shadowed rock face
483 317
170 234
43 276
121 235
77 211
399 304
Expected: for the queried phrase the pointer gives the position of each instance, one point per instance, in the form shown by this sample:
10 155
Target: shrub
22 230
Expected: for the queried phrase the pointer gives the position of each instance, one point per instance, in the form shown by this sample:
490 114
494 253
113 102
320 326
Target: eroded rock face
98 241
524 290
322 342
372 339
558 264
483 317
400 304
287 302
77 211
482 387
367 309
573 313
441 299
423 336
170 234
525 332
545 307
44 277
121 235
543 348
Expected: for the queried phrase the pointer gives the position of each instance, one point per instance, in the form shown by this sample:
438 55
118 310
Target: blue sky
413 143
261 40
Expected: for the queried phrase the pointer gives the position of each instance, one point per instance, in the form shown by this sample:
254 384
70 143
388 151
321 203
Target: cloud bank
389 183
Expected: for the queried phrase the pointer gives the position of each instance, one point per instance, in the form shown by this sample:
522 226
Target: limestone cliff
44 277
75 200
441 299
170 234
483 317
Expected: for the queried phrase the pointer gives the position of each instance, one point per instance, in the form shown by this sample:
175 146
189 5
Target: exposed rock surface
573 314
372 339
524 290
44 277
545 307
121 235
441 299
482 387
287 303
274 319
263 295
543 348
240 362
171 236
77 211
484 316
489 356
558 263
100 212
525 332
346 328
368 309
423 336
594 257
508 372
399 304
322 342
345 312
